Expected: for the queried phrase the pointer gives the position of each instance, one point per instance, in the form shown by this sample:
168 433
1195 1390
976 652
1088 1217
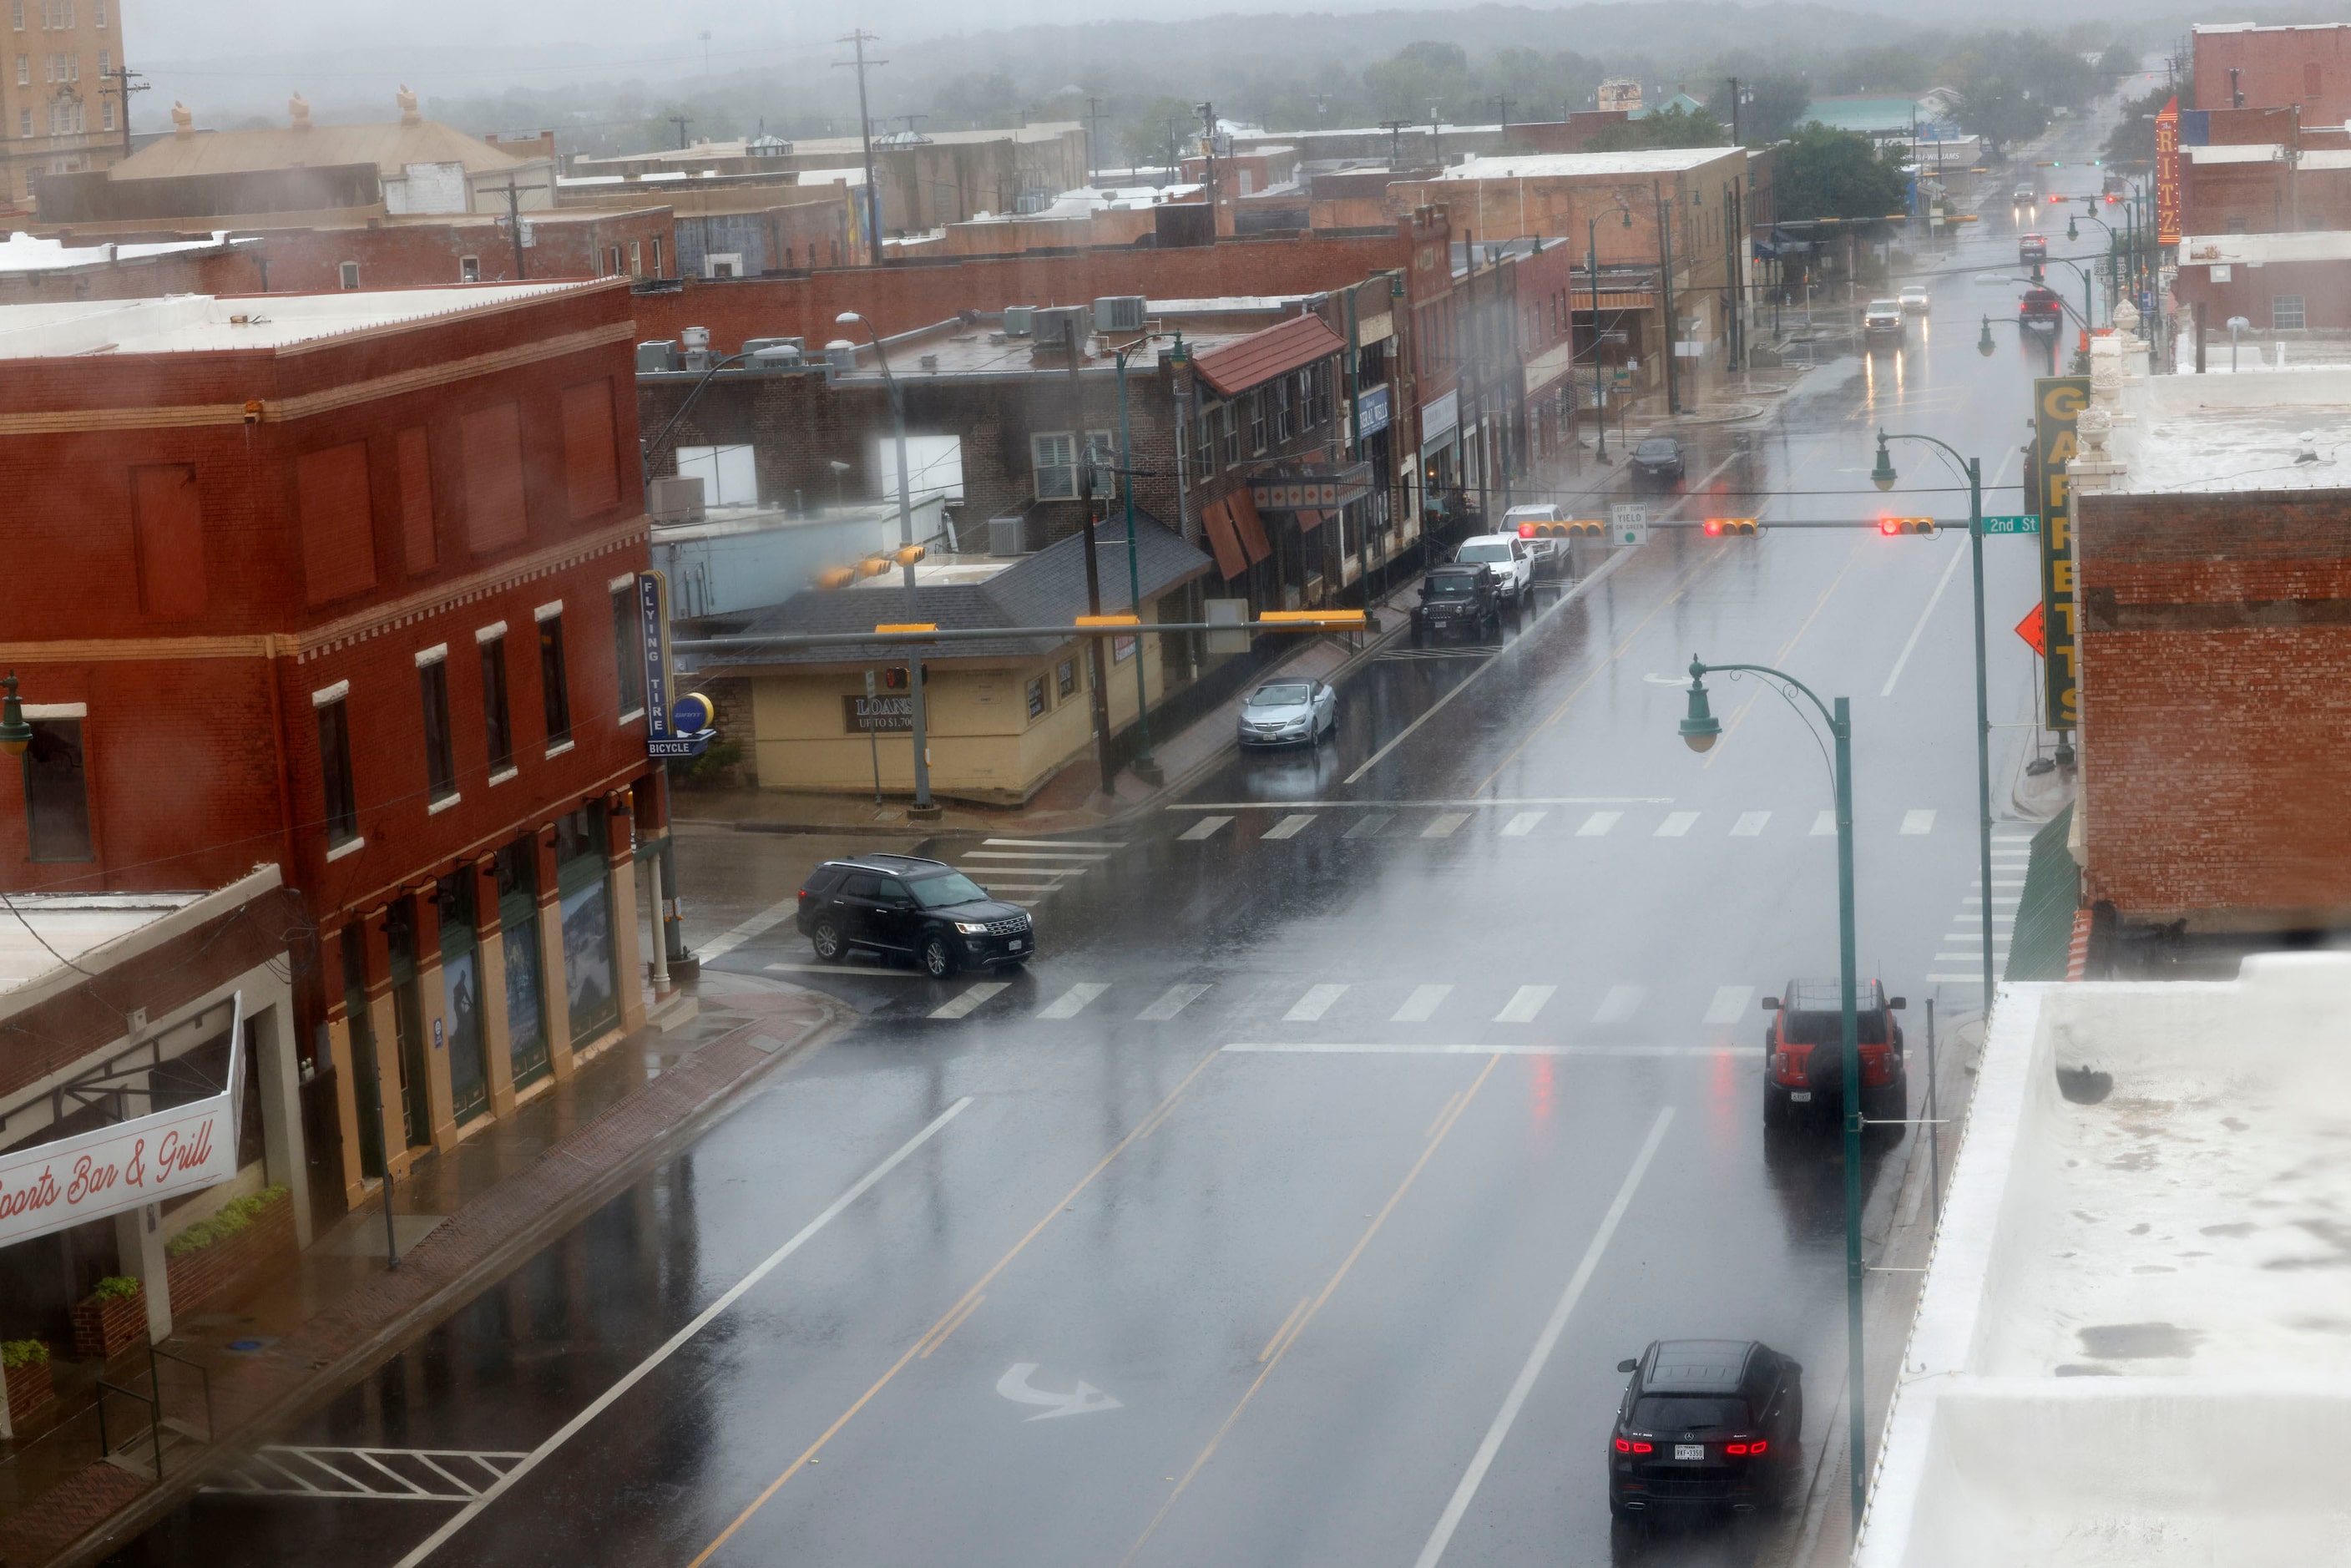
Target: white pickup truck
1506 558
1548 551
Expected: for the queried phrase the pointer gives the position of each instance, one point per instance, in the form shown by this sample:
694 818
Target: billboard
2166 174
2057 405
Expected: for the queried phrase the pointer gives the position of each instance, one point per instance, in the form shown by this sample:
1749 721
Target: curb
412 1323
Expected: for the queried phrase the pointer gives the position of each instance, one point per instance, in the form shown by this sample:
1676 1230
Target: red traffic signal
1906 525
893 679
1716 526
1526 531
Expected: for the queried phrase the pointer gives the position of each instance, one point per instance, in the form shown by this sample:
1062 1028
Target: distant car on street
1705 1424
2024 196
1659 460
901 906
1914 298
1457 599
2033 247
1803 1051
1289 713
1506 556
1882 318
2041 309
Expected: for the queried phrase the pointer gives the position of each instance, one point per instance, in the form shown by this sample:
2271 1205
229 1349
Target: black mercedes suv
899 905
1705 1423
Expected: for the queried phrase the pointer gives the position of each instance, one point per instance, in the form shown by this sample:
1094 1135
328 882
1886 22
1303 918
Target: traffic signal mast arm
895 634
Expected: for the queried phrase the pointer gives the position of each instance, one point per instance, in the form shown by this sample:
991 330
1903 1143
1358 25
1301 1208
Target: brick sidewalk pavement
516 1206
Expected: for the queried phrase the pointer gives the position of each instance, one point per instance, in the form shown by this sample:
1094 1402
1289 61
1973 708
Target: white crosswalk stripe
1620 1004
1520 826
1750 824
1729 1004
1522 1007
1676 824
1824 826
1055 843
1172 1000
1445 826
1598 823
1290 827
1035 857
1917 824
1206 828
1314 1004
1422 1005
1370 826
1071 1002
970 997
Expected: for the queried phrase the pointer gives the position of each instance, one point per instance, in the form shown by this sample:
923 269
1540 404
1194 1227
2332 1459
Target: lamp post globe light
1699 730
16 734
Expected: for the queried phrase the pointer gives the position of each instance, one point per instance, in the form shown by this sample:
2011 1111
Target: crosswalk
1448 821
1962 945
1027 871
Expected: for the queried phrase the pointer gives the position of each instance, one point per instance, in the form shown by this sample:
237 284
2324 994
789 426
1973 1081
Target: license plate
1801 1096
1690 1450
1017 943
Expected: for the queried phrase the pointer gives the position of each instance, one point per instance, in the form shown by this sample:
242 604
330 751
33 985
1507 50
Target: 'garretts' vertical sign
2057 404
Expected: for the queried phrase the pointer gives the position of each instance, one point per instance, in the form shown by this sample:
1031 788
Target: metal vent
1019 320
1008 535
1119 313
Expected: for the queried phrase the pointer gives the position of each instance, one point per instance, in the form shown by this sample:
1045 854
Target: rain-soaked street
1363 1108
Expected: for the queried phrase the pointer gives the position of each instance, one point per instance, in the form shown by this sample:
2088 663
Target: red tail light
1746 1450
1641 1448
1623 1446
1738 1448
1526 531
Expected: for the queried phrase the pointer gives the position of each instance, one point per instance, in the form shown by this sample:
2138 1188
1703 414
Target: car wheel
1775 1106
938 958
825 937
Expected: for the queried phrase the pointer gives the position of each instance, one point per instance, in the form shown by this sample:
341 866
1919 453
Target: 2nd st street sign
2017 522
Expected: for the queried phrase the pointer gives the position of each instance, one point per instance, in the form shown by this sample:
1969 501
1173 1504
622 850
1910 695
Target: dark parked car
1658 459
898 906
1804 1045
1705 1423
1462 597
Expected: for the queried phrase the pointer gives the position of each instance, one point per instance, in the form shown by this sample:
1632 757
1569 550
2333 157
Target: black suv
1658 459
1463 596
1803 1051
925 910
1705 1422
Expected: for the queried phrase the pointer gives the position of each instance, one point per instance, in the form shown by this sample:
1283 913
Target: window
1065 678
109 116
17 13
629 650
98 12
2236 226
23 122
335 772
440 759
1204 437
106 62
23 71
1037 697
1229 433
1257 421
636 258
1285 421
2286 313
350 275
1101 457
495 724
56 791
657 260
469 269
555 690
1055 458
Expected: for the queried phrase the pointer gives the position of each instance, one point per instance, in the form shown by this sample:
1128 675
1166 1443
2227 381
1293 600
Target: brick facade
2308 68
2215 647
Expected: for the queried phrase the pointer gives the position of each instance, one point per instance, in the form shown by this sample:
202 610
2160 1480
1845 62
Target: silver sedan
1289 713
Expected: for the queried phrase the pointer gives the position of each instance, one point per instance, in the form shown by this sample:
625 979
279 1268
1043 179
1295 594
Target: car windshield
947 888
1885 305
1484 553
1659 447
1689 1413
1286 694
1447 587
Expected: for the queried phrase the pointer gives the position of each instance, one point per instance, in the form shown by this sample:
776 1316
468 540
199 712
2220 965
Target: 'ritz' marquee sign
683 726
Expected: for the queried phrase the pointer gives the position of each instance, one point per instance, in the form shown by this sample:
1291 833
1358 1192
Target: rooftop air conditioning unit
841 356
658 355
1019 320
1061 326
753 345
674 499
1008 535
694 338
1119 313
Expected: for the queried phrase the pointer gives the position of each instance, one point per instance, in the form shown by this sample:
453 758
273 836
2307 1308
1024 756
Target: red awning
1259 358
1250 526
1308 521
1216 521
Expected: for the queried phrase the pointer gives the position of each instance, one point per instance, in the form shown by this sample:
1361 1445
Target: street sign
2030 630
2017 523
1629 525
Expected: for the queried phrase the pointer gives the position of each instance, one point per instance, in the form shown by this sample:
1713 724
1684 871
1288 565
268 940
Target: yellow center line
954 1320
1443 1112
970 1299
1298 1333
1785 649
1283 1332
1619 652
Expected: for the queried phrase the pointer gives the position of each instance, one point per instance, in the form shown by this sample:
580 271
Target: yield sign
2030 629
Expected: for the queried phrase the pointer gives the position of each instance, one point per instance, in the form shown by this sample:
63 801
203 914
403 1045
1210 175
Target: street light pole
1144 766
1699 730
923 807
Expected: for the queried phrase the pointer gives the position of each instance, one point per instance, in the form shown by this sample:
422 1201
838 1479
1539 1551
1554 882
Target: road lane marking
1445 826
1071 1002
1306 1318
1598 824
1055 843
807 1455
947 1325
1443 1112
1676 824
1206 827
970 997
875 973
1314 1004
1974 979
1526 1001
1917 823
1729 1004
1466 805
1032 869
1475 1047
759 924
1291 1321
1369 825
1483 1459
1750 824
1620 1004
1520 826
1290 826
1172 1000
670 1346
1422 1005
1039 857
1924 616
1824 826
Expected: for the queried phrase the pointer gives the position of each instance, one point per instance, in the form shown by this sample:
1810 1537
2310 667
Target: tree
1157 132
1404 85
2001 112
2132 144
1770 107
2118 61
1826 173
1673 127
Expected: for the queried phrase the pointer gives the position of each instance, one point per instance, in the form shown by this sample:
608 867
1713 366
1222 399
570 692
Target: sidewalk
319 1321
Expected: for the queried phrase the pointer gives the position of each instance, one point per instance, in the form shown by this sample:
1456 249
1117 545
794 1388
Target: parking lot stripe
1729 1004
1445 826
1597 824
1422 1005
1676 824
1750 824
964 1000
1522 1006
1071 1002
1172 1000
1206 828
1290 826
1520 826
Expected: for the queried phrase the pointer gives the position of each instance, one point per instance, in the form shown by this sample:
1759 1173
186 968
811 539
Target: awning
1257 359
1307 520
2040 937
1216 522
1248 525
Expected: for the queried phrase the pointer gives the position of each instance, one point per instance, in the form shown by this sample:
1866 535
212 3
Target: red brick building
2239 64
342 587
2280 283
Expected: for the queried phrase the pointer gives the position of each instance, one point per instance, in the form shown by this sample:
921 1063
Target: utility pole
1093 137
1175 151
126 83
1666 294
1734 111
514 224
1503 103
681 121
1436 148
859 38
1396 128
1207 113
1097 666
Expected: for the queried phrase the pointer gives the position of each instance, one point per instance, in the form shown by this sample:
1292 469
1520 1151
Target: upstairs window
555 687
440 758
498 726
341 800
56 790
1055 458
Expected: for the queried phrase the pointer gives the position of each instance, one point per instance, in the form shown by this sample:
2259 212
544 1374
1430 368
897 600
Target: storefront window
519 937
461 998
592 990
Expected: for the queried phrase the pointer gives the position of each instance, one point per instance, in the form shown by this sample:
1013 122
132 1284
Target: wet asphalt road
1224 1233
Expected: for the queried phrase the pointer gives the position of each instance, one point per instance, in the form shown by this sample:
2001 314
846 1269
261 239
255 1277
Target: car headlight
971 927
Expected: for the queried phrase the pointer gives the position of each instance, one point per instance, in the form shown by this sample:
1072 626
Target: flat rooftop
52 929
185 322
22 251
2275 428
2133 1346
1563 165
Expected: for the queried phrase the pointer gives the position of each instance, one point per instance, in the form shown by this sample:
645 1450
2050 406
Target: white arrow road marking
1082 1401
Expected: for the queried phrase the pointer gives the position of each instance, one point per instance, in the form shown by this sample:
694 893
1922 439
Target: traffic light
1716 526
893 679
1906 525
907 555
1585 528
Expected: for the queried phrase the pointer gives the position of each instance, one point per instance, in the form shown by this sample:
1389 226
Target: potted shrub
113 1315
214 1255
27 1363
